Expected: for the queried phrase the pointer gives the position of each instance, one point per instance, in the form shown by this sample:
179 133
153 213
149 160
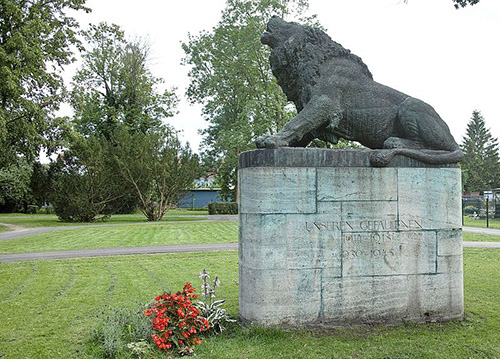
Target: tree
82 180
464 3
481 164
231 78
35 43
114 86
461 3
15 184
157 166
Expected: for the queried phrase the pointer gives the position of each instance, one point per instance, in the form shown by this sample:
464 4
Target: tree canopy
481 164
157 166
36 39
464 3
114 86
231 77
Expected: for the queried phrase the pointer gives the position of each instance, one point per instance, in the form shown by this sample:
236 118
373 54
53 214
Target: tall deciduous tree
114 89
481 164
157 166
35 43
114 86
231 78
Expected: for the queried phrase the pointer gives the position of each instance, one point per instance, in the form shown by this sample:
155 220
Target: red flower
173 316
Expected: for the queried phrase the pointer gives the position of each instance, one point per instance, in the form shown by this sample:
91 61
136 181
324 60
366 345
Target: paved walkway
100 252
495 232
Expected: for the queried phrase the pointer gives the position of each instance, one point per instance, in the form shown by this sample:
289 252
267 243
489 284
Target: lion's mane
296 65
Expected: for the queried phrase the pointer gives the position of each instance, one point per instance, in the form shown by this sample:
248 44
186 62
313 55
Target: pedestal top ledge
321 157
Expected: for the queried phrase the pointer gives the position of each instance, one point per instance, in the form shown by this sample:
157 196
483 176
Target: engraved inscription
328 226
365 225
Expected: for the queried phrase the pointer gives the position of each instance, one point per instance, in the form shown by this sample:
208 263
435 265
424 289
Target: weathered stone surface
290 241
392 299
321 157
357 184
278 297
278 190
327 246
371 215
388 253
430 196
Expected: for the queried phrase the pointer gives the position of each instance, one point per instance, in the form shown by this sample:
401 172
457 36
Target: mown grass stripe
124 236
17 291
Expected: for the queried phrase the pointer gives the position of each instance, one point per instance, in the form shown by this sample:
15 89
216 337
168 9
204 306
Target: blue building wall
199 198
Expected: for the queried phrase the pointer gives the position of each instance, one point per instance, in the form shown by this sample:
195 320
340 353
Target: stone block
430 196
295 297
293 241
278 190
449 242
357 184
388 253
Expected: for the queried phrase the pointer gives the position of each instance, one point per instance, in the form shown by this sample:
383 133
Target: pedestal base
327 240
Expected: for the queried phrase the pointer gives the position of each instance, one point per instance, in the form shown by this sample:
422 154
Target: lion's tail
434 157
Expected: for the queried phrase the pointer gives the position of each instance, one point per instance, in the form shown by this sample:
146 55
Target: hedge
223 208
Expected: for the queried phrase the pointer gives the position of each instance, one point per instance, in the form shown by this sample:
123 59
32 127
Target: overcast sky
425 48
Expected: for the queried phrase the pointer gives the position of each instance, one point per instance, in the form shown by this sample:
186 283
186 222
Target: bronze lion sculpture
336 97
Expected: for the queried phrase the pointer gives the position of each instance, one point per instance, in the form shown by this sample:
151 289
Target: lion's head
297 53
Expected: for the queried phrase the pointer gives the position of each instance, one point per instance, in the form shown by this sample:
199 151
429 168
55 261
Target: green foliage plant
157 166
211 310
15 181
116 329
36 42
223 208
232 79
82 182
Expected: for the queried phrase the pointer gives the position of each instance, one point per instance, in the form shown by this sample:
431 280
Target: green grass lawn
130 235
479 237
51 220
48 308
493 223
143 235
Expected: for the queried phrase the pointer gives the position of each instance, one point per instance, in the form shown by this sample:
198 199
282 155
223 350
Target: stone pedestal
327 240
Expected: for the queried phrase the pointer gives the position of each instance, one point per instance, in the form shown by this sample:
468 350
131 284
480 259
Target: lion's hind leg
397 142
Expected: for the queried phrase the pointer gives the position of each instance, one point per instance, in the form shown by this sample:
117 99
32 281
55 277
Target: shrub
117 328
223 208
31 208
470 209
82 181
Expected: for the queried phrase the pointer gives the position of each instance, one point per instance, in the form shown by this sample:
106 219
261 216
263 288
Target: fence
479 211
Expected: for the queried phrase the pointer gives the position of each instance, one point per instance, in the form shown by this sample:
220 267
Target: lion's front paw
270 141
